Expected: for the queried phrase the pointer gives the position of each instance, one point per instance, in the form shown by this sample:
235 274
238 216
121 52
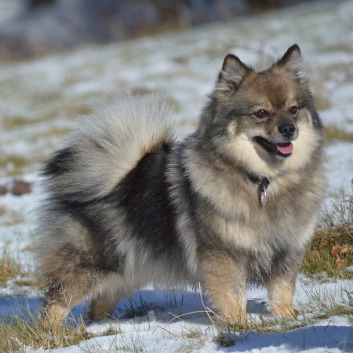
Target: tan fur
226 283
64 294
281 291
56 313
103 305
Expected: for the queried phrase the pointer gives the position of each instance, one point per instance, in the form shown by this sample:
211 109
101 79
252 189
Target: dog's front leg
281 290
225 281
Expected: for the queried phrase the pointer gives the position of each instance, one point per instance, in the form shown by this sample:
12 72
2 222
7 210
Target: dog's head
264 121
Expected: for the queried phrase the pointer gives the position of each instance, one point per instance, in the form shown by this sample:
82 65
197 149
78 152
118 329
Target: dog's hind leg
103 304
68 264
113 288
65 293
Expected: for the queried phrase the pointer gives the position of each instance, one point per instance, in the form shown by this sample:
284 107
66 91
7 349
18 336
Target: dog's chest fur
229 214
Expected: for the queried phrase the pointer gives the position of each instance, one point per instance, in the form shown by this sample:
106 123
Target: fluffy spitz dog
234 203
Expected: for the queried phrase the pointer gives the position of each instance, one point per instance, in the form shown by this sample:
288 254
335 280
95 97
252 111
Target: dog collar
263 185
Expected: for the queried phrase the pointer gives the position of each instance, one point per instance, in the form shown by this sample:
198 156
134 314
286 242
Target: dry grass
18 333
9 267
53 132
333 133
137 308
14 122
14 163
331 251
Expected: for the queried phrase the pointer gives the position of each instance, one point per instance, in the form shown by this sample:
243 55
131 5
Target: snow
9 9
48 91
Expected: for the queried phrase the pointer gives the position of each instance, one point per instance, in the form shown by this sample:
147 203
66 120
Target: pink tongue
285 148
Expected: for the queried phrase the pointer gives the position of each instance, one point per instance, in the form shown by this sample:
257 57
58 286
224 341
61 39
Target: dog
234 203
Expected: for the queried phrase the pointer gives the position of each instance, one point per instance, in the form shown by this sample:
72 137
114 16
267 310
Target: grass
9 267
13 163
331 251
137 308
324 305
320 305
17 334
15 122
53 132
333 133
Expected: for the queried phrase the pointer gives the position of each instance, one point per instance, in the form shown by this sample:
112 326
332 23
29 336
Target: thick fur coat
236 202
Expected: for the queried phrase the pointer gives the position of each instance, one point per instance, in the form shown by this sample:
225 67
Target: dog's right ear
232 74
292 60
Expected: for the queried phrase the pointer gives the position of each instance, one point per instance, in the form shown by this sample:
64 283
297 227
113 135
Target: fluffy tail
107 144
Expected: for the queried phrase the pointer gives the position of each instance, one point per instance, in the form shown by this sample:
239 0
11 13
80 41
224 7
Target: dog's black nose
287 129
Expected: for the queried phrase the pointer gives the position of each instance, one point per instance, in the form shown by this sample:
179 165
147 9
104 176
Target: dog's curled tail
107 144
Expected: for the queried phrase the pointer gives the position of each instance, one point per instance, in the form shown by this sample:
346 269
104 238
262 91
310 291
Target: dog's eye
262 113
293 110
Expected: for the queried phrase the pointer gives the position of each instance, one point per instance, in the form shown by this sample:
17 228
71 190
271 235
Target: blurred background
56 56
35 27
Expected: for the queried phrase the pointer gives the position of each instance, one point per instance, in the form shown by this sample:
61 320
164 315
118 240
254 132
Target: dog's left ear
292 60
232 74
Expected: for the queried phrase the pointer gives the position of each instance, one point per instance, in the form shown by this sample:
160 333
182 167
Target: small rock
141 91
180 59
21 187
3 210
3 190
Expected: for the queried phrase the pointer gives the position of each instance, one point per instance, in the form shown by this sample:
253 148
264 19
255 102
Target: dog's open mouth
281 149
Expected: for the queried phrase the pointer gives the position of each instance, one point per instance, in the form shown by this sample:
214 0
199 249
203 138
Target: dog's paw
285 311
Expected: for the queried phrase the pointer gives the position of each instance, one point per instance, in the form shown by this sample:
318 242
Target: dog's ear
233 72
292 60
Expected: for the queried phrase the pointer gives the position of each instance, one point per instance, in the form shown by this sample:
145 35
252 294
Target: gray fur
128 206
109 142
